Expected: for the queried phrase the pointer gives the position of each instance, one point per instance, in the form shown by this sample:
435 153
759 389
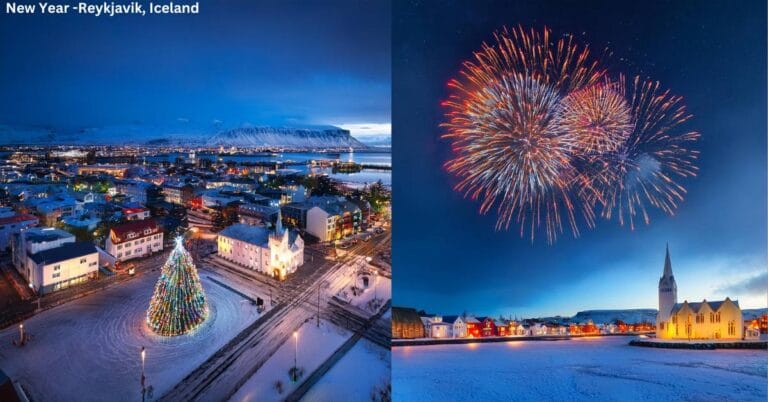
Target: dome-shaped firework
597 116
646 168
178 303
540 133
502 120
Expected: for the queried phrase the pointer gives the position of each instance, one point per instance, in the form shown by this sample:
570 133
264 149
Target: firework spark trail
598 116
645 170
509 149
540 133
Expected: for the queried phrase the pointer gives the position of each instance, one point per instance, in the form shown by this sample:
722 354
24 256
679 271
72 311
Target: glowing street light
295 355
21 333
143 387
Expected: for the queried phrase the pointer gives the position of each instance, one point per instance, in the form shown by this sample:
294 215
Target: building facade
14 224
705 320
60 267
135 239
277 252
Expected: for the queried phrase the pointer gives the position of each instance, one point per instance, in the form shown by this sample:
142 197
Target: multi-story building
277 253
54 209
14 224
257 215
327 218
112 170
34 240
135 190
176 193
50 259
135 239
60 267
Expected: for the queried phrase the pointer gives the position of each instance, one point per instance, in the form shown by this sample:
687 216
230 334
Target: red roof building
134 239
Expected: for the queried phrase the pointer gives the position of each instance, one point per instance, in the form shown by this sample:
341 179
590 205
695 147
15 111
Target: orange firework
598 116
510 149
541 135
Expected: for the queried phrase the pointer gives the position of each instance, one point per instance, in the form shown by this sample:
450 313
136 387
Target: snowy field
581 369
365 367
382 292
314 347
88 349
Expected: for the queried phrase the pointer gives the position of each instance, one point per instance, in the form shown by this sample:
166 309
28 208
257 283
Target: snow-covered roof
247 233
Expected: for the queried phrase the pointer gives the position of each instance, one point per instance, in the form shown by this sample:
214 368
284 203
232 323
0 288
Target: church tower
667 290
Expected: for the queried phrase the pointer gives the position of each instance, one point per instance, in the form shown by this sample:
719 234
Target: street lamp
21 333
143 388
295 355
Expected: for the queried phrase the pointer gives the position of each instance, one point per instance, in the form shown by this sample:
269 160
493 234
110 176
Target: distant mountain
382 141
184 132
286 137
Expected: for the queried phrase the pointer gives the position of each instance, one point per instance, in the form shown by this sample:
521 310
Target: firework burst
645 171
598 116
510 150
540 134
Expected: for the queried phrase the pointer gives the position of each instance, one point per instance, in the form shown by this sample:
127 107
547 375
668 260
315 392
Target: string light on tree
178 303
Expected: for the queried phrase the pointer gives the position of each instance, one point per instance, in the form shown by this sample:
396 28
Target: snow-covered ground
88 349
364 368
315 345
382 292
580 369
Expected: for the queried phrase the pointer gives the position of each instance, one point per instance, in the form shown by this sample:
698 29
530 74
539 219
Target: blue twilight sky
449 259
238 61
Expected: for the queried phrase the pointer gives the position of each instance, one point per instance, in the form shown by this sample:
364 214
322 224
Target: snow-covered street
88 349
580 369
315 345
364 368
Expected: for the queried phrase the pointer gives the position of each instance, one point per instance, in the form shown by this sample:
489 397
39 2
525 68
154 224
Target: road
219 377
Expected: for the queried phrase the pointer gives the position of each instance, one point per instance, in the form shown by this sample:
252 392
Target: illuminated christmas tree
178 303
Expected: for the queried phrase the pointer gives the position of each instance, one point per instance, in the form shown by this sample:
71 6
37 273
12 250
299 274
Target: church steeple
667 289
668 265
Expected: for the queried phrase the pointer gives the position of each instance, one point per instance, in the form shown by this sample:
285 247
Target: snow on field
380 289
88 349
365 367
580 369
314 347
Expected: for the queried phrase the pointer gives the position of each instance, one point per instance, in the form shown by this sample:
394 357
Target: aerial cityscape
191 211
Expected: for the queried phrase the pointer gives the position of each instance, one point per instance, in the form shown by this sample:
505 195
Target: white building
14 224
135 190
440 330
63 266
135 239
276 253
458 326
34 240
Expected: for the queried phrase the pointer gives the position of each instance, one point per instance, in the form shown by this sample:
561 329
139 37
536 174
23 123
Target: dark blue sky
238 61
448 258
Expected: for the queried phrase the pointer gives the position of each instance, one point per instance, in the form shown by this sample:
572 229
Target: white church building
705 320
276 253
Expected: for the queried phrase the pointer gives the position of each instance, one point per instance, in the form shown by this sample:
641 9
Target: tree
178 303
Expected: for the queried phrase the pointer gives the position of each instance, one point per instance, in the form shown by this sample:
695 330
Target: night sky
289 63
449 259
